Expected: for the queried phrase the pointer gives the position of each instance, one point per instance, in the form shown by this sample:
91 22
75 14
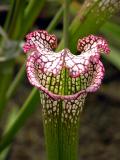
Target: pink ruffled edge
39 39
94 58
95 84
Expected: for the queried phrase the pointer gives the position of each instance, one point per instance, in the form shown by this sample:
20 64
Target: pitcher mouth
45 68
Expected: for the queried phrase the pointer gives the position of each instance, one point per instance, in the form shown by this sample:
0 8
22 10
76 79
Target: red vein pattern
70 110
44 66
46 71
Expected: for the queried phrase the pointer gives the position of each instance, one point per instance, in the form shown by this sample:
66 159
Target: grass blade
78 28
22 116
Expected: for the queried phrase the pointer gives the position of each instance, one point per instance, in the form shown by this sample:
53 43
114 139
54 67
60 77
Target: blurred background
100 120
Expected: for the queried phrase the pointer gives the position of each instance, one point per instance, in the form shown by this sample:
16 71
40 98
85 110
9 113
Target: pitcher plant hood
63 75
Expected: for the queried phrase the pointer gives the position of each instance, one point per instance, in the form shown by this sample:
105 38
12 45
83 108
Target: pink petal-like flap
39 39
93 43
63 75
49 77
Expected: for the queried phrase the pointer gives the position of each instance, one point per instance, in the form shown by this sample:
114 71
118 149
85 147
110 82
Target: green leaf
11 118
21 17
112 33
14 18
114 57
93 14
19 77
5 79
22 116
89 20
31 102
31 13
14 21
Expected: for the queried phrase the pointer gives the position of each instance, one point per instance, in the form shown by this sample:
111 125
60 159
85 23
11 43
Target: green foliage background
86 18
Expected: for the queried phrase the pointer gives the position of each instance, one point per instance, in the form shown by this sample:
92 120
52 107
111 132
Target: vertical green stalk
18 13
61 130
60 125
66 37
6 72
31 102
21 73
55 20
15 83
66 22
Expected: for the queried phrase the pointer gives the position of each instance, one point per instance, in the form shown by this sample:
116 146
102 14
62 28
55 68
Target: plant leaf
83 24
93 14
22 116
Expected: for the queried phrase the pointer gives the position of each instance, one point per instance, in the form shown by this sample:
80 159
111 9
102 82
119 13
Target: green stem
66 22
15 83
14 18
31 12
11 117
56 19
21 117
5 79
13 28
61 133
30 104
66 39
19 77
